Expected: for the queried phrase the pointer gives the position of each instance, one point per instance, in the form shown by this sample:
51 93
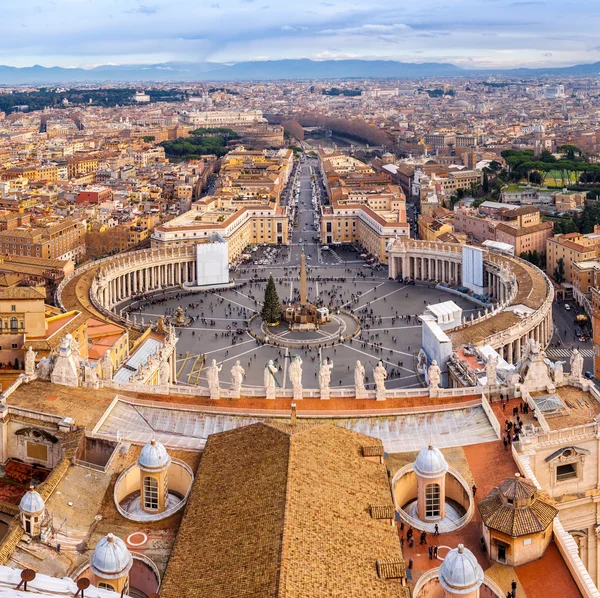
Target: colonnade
128 279
427 268
442 263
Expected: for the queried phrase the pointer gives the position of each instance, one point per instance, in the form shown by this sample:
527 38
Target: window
14 324
566 472
13 308
150 493
432 500
106 586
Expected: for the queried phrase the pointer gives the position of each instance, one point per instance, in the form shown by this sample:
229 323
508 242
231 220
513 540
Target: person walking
513 587
474 489
435 550
431 553
436 530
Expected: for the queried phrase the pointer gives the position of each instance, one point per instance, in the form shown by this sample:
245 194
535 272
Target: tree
559 271
271 311
486 181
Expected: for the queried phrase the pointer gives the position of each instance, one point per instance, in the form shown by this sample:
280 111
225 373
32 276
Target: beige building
571 248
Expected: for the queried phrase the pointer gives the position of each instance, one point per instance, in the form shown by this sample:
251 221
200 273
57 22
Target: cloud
369 29
144 9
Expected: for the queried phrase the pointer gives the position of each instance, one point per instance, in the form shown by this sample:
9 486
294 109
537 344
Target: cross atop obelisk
302 278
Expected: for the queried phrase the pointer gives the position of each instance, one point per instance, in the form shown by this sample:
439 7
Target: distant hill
265 70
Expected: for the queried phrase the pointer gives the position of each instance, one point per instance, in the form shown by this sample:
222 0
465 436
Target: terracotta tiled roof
535 516
517 488
285 511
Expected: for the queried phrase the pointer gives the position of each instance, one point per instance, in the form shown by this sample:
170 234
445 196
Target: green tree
486 181
148 138
559 271
271 311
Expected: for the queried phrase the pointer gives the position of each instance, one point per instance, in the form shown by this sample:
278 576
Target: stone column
510 352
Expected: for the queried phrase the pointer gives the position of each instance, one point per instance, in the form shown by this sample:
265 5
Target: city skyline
468 33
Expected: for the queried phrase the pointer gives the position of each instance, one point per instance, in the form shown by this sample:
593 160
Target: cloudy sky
469 33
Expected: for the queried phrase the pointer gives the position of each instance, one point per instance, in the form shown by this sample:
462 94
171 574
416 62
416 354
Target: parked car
567 307
589 375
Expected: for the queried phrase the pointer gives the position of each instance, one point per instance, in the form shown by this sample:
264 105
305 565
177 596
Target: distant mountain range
265 70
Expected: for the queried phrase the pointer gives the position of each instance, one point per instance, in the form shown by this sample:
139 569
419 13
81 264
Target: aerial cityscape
300 300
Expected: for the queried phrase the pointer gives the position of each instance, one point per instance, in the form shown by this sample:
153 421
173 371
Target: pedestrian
505 442
436 530
402 543
435 549
423 537
474 489
409 533
431 553
513 587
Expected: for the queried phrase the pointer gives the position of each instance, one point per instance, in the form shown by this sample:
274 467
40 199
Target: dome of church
154 457
430 463
111 559
31 502
460 573
539 128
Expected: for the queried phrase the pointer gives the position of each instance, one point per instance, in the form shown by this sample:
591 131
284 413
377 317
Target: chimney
293 416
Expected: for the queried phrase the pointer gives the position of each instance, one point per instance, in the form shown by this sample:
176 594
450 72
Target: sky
467 33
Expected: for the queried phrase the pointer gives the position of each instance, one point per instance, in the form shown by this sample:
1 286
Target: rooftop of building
312 532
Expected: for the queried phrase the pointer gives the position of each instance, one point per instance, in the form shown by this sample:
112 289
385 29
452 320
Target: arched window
150 493
432 500
14 324
106 586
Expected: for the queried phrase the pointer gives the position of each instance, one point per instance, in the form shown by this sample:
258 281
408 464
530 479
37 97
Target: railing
429 526
428 576
491 415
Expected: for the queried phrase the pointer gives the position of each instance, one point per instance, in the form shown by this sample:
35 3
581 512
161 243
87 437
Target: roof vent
373 450
382 511
391 568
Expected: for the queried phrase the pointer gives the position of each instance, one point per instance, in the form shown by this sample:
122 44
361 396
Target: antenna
26 575
83 583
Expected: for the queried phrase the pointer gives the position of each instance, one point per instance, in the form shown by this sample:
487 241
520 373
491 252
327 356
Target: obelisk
302 279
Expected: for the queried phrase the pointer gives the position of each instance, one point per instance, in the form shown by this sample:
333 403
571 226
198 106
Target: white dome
430 463
31 502
154 457
460 573
111 559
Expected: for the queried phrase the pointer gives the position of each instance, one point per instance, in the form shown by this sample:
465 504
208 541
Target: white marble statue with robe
212 375
379 376
359 380
576 364
325 378
296 376
434 374
30 356
491 368
237 377
269 379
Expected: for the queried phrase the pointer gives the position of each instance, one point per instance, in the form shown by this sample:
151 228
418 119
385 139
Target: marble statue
164 372
30 361
237 377
296 376
107 366
491 369
379 375
44 368
90 375
559 375
325 378
576 364
359 380
434 374
269 379
212 375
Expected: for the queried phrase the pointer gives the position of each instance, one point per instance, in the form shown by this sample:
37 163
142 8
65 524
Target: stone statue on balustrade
30 356
44 368
212 375
296 377
106 366
270 379
360 391
164 372
237 377
576 365
559 375
325 378
434 375
379 376
90 375
491 368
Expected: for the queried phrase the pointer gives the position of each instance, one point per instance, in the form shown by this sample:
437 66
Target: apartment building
365 207
64 240
571 248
